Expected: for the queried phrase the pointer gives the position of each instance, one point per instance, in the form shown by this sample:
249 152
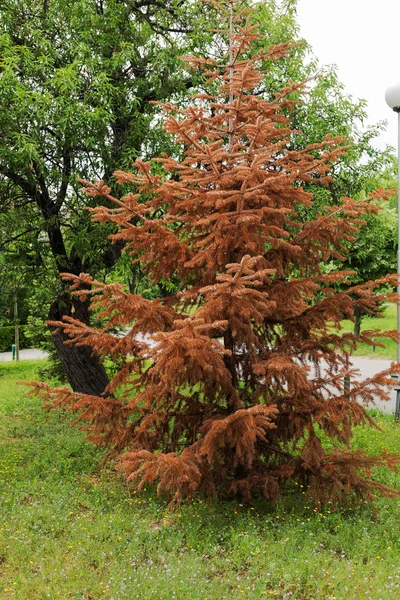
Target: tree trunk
357 320
16 321
229 361
82 368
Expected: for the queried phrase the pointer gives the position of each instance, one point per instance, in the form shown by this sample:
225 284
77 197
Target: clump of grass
71 531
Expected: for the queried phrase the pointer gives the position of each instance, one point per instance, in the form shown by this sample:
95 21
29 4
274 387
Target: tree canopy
79 77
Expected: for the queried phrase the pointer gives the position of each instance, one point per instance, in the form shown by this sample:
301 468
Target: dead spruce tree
232 383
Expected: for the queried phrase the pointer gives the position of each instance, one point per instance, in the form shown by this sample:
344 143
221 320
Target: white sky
362 37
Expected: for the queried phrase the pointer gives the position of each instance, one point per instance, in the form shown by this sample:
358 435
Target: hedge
7 335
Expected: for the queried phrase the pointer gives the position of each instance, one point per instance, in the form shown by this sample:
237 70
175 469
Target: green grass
387 322
69 530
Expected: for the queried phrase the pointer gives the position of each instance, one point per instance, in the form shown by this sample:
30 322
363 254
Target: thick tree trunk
82 369
357 320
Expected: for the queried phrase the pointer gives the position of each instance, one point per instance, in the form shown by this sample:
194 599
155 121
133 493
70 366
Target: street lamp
392 98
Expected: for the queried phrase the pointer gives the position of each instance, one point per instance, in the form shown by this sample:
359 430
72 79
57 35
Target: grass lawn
389 321
69 530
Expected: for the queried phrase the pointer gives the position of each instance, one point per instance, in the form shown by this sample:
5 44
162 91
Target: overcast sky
362 37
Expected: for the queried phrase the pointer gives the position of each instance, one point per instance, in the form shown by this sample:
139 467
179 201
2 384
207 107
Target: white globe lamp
392 97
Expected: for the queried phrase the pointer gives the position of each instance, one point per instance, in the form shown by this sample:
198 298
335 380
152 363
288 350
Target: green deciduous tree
76 82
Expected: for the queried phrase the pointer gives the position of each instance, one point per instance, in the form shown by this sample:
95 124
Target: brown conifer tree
232 383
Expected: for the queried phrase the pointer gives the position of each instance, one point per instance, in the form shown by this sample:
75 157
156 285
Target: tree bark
84 371
229 361
357 320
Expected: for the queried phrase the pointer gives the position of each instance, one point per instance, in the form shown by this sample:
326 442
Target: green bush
7 338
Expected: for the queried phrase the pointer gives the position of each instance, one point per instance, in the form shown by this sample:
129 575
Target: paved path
369 367
366 366
32 354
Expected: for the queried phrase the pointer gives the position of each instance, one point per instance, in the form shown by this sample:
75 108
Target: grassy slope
71 531
389 321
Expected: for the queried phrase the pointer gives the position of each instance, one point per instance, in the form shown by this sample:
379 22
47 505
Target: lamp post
392 98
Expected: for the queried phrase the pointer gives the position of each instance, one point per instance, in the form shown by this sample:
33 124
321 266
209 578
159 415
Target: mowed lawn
71 530
385 323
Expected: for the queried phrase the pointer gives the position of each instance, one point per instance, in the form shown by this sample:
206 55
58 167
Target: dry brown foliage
243 373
